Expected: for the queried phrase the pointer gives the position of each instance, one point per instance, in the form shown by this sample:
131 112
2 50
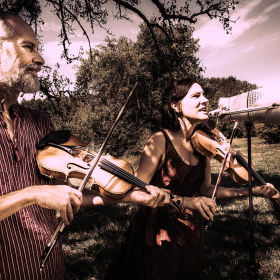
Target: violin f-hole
69 167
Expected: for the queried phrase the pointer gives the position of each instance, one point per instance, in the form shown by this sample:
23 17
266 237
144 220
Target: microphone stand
253 267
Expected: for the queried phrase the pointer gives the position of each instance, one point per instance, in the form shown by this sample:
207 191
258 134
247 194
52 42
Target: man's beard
20 79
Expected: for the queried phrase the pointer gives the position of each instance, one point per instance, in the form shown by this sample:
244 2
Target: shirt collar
17 110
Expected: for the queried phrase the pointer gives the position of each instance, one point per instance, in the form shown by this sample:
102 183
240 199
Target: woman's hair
175 92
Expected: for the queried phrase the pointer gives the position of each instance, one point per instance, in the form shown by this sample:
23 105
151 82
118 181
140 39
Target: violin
64 156
72 160
209 141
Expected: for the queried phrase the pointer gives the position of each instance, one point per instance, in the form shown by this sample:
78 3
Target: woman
157 245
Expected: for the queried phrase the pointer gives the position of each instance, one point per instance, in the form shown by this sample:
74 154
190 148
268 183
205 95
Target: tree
75 14
55 87
215 88
268 132
107 78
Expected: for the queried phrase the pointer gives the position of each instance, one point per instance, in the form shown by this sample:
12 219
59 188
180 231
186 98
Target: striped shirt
24 235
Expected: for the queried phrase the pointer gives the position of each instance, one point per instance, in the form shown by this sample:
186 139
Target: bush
269 133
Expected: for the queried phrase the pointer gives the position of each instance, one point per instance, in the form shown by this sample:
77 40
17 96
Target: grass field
93 236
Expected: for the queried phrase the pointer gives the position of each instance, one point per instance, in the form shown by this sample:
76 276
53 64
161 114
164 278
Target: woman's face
193 105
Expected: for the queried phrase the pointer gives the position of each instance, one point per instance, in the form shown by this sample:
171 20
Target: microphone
256 106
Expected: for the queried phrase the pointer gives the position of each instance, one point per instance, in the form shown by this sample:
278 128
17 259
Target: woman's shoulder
157 141
158 137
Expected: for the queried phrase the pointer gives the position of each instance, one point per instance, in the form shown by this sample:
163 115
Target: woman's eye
28 47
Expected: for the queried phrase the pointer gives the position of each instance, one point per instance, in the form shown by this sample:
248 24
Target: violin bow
215 192
61 225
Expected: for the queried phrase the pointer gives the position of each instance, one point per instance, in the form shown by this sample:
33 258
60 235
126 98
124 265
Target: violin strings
119 171
122 173
244 163
112 168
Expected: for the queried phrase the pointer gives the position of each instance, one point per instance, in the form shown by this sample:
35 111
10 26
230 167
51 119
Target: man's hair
7 31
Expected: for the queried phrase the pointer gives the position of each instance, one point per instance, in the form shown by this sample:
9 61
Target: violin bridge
85 153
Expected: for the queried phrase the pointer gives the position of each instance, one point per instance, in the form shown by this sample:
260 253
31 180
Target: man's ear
175 106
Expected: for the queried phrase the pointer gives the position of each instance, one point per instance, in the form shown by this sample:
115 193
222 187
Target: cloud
53 50
135 18
51 26
134 31
249 49
213 36
272 7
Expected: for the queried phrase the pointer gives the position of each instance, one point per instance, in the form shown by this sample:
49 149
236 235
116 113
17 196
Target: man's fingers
76 202
73 199
70 214
78 194
64 216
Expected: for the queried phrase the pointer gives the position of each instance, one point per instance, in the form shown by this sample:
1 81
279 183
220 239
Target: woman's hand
268 191
152 196
206 206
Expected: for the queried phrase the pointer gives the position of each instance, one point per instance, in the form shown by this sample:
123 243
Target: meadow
93 237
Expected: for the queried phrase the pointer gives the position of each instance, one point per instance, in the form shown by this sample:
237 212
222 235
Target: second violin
209 141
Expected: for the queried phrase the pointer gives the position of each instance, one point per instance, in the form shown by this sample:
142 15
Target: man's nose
38 59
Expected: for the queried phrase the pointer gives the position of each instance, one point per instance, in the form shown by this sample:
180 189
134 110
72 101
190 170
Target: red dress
157 245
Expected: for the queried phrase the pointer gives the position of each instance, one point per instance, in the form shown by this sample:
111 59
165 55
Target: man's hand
59 197
152 196
268 191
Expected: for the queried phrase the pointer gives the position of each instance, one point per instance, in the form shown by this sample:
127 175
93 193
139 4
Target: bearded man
28 204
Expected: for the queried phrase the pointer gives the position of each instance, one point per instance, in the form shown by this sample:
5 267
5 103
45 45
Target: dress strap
167 139
170 147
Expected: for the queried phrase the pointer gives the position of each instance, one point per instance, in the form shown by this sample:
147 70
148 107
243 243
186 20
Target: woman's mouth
202 110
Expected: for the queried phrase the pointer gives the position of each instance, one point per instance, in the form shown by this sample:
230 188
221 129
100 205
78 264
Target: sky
250 52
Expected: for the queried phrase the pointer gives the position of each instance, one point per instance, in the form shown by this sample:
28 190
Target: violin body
213 144
54 162
235 170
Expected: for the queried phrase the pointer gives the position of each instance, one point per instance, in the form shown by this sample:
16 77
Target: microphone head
257 106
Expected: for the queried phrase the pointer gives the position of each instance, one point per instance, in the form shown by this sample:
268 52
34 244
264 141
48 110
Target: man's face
20 60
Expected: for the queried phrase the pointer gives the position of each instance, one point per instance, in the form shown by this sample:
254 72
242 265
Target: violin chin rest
56 137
